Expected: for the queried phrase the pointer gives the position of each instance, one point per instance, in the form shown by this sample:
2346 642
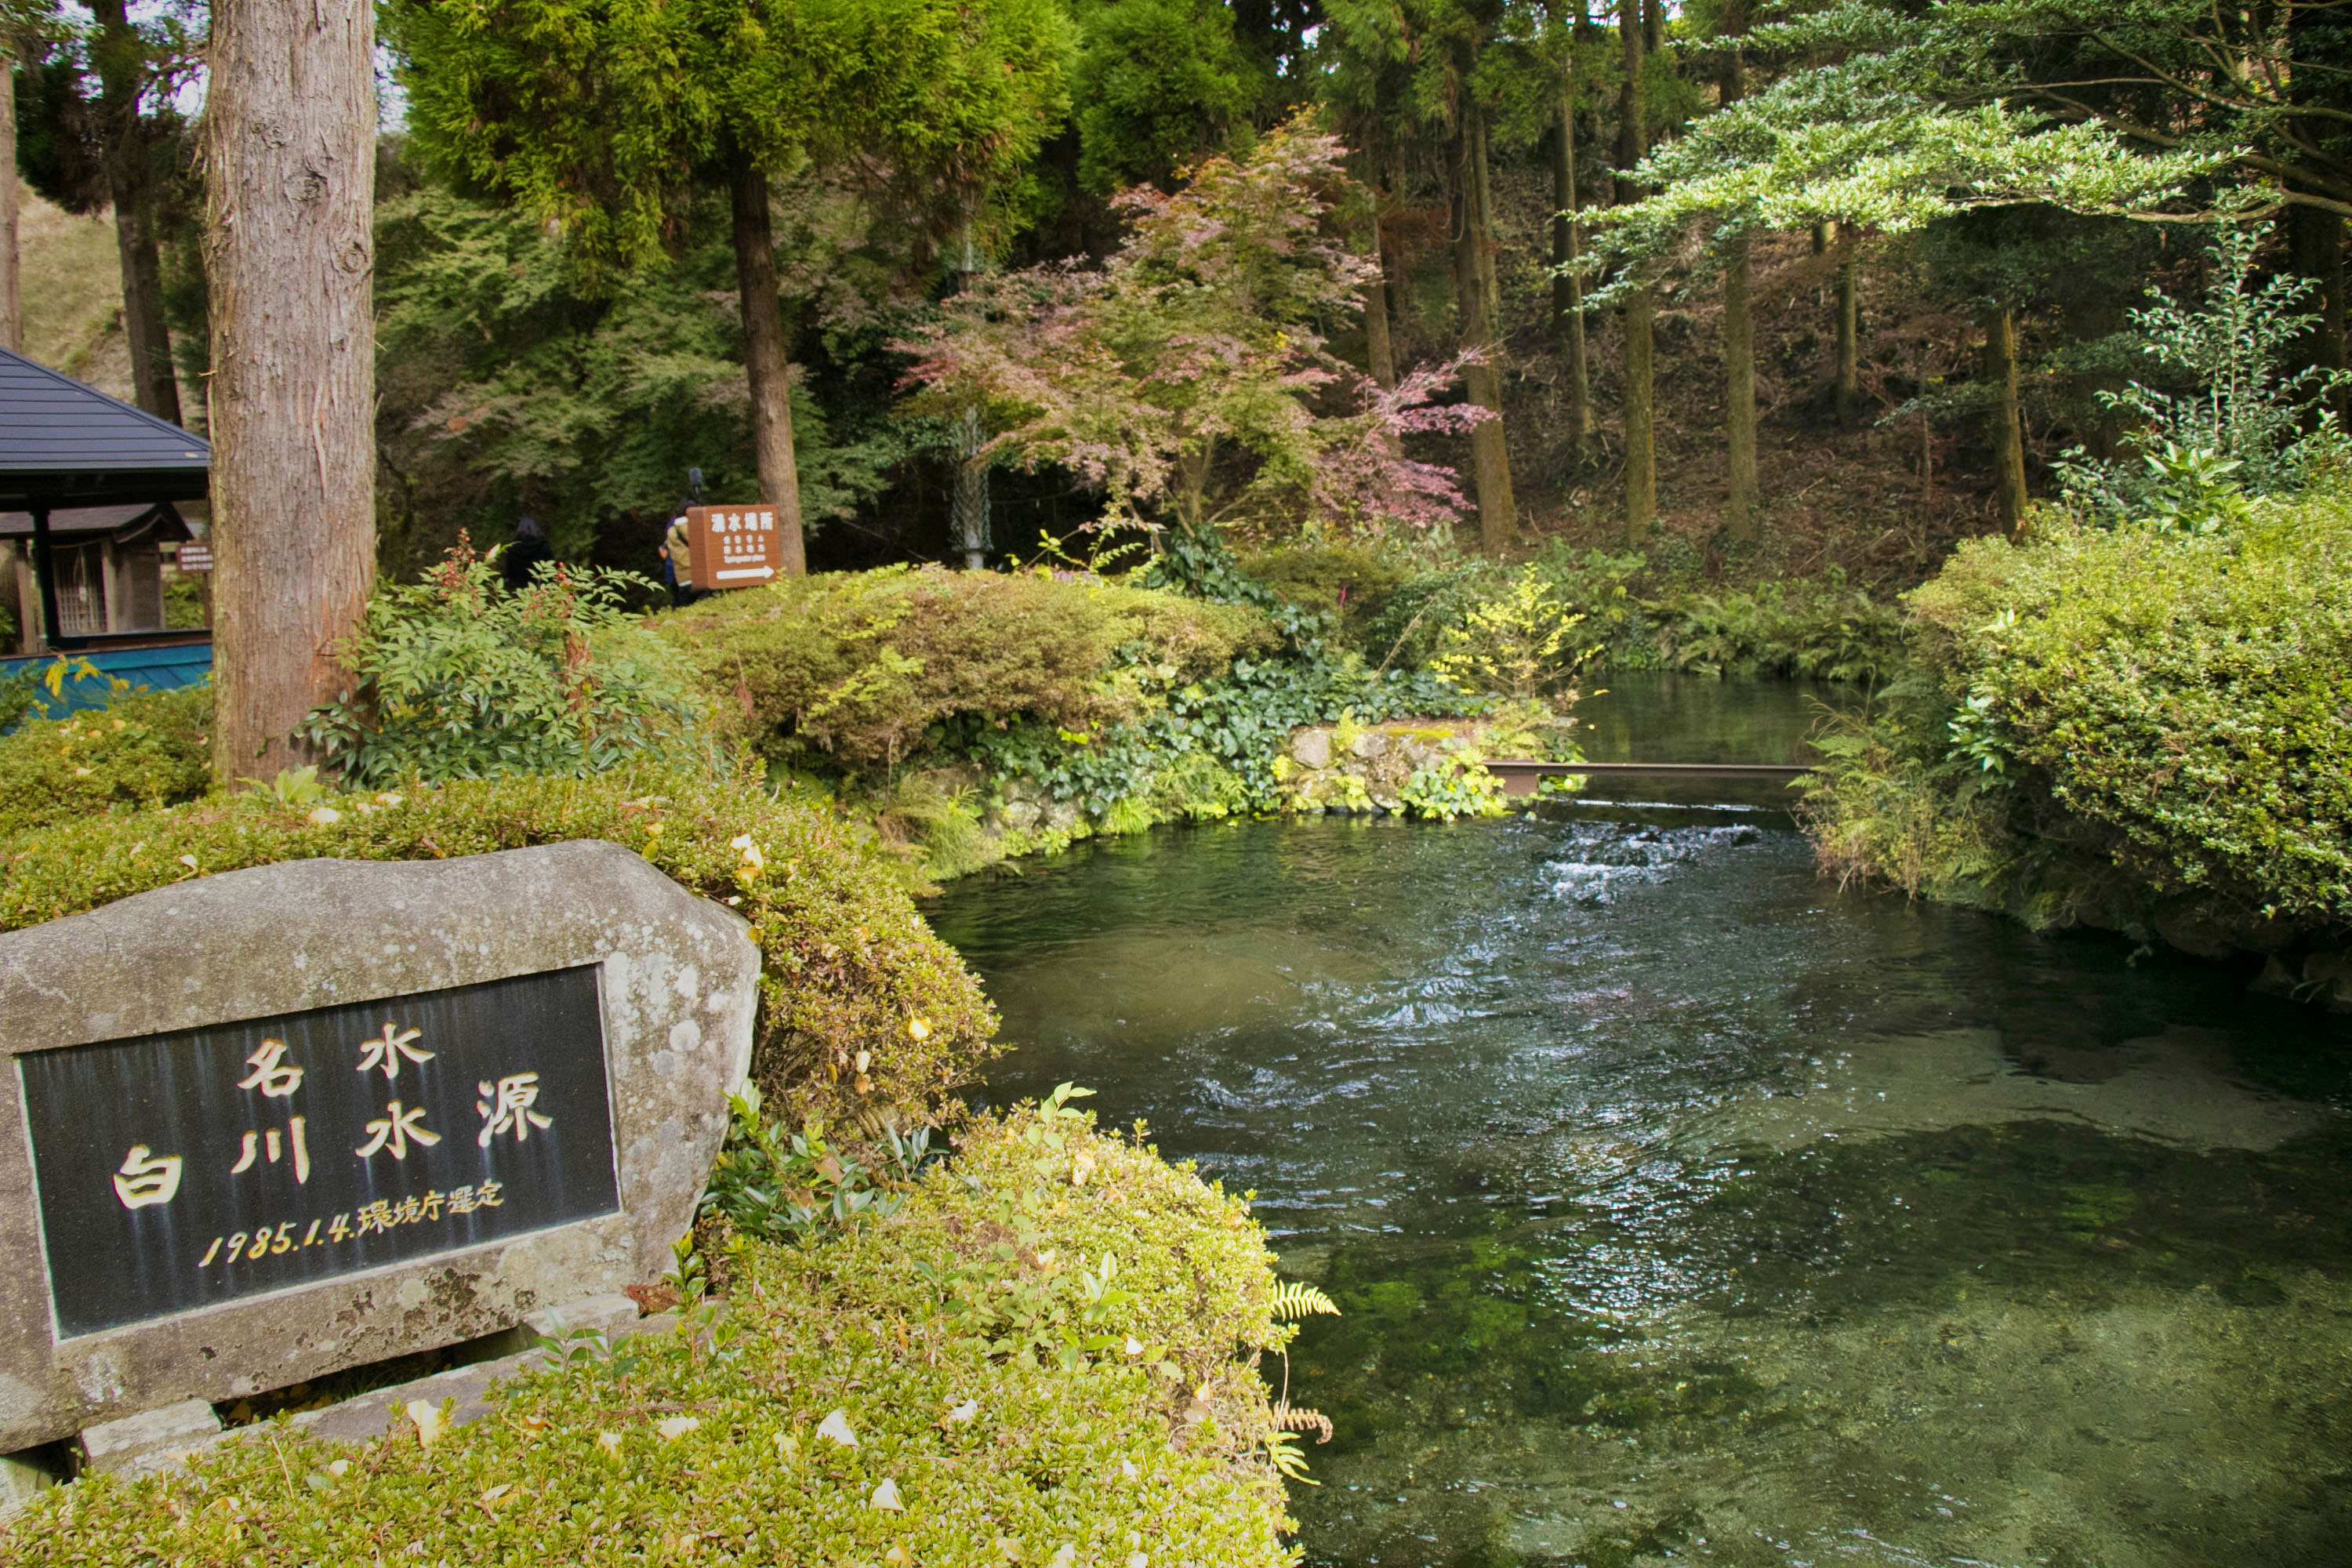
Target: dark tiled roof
87 519
61 441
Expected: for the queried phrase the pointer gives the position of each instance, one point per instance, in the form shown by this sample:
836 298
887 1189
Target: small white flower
887 1496
1134 1345
836 1426
677 1427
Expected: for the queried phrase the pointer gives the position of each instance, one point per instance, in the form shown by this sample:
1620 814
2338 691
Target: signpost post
732 546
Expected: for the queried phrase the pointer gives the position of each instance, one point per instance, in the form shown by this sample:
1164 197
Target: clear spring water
1686 1210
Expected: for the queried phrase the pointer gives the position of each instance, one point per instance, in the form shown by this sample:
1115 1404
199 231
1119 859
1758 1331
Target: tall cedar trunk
1473 274
1740 393
2316 240
2007 431
1378 349
289 154
1567 287
122 77
1641 304
1847 387
1738 349
12 305
764 362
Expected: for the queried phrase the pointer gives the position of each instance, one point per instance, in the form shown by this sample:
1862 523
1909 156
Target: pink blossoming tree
1187 379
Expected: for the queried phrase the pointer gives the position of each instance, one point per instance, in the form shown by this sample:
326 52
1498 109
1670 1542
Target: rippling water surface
1684 1210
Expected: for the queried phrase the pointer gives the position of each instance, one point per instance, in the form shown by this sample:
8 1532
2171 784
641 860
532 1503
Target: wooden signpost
732 546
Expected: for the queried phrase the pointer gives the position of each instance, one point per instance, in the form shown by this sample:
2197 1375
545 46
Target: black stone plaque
178 1170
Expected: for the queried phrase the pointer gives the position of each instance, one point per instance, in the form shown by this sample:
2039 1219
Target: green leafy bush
859 667
1823 629
900 1391
2121 726
851 974
457 678
144 749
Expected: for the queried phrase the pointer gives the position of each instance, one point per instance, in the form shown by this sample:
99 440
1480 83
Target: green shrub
941 1339
1825 629
850 971
144 749
456 678
2134 717
1352 583
860 666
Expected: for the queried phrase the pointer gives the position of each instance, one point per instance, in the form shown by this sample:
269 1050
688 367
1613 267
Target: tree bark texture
1738 349
1846 391
2009 429
1379 350
1641 304
1740 393
12 300
289 154
2315 242
1473 273
123 80
764 361
1567 287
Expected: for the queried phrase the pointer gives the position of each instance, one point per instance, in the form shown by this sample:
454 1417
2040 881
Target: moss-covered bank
1044 1357
2134 728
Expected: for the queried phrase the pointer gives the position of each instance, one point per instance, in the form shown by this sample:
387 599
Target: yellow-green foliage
2171 714
1521 643
144 749
861 665
849 964
718 1443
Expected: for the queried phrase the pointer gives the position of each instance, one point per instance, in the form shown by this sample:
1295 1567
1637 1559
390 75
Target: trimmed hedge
849 966
859 665
2115 726
144 749
719 1442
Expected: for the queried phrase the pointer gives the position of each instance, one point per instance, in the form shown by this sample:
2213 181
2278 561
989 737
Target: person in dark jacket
525 554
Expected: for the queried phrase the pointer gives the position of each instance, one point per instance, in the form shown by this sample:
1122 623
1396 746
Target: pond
1684 1209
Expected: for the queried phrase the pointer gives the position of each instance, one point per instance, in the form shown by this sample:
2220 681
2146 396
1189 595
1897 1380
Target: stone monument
269 1124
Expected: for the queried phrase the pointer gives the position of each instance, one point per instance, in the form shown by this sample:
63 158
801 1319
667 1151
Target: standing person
526 552
675 561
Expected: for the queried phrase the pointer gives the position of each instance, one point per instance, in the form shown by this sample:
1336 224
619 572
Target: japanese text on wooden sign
732 546
195 555
178 1170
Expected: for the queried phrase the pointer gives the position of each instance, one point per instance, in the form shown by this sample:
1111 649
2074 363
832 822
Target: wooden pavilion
88 488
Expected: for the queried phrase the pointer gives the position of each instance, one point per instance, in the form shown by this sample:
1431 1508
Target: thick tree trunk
289 154
764 362
1474 292
2316 241
1740 393
1567 287
2009 429
12 302
1378 349
122 77
1641 304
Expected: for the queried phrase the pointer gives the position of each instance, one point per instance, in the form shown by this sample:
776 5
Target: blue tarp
155 669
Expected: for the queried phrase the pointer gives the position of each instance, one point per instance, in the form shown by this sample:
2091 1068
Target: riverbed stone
676 987
1311 748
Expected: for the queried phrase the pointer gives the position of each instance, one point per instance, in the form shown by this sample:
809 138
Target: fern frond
1296 1299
